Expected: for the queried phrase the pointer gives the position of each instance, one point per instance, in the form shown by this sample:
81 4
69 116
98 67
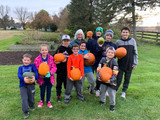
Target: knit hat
108 32
80 31
66 37
110 48
89 34
99 29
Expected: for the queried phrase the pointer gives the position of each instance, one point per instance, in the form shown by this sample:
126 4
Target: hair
125 28
75 45
83 42
27 55
79 31
110 48
44 45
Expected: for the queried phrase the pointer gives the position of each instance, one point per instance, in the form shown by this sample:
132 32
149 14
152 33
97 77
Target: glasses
75 49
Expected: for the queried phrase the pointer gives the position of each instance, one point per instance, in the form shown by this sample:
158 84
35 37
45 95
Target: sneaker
97 93
91 92
32 108
107 93
123 95
112 108
49 104
101 103
40 104
66 103
88 87
58 98
26 115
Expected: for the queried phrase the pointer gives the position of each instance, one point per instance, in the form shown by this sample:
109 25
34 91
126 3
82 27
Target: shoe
58 98
107 93
112 108
83 100
66 103
97 93
88 87
123 95
49 104
101 103
32 108
91 92
40 104
26 115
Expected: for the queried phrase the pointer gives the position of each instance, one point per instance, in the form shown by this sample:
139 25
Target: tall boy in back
75 60
127 63
62 66
27 91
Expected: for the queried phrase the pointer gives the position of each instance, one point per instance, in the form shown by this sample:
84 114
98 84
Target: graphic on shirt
26 69
65 53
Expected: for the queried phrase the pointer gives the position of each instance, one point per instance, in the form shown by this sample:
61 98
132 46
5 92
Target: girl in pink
48 80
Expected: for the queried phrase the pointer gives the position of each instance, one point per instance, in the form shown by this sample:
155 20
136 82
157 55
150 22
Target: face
125 34
80 36
98 33
65 43
44 51
26 61
110 54
83 46
75 50
108 38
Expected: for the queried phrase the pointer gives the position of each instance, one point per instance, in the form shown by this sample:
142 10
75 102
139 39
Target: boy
74 60
111 62
27 91
87 69
129 62
62 66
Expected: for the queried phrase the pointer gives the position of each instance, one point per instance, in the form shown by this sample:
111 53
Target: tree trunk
134 21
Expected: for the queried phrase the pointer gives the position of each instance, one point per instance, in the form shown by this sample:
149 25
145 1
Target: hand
33 79
99 79
108 81
26 80
64 60
86 56
133 67
80 77
71 79
56 62
100 45
48 75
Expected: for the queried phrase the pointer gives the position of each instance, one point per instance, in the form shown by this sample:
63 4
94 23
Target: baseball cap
66 37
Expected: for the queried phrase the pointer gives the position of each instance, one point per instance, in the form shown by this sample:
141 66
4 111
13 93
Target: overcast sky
51 6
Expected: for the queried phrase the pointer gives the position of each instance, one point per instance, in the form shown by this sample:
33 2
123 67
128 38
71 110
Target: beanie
99 29
79 31
89 34
108 32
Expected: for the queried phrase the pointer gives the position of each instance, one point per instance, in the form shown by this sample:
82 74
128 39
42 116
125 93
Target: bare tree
22 15
4 17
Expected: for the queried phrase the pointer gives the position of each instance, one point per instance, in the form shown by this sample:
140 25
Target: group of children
74 58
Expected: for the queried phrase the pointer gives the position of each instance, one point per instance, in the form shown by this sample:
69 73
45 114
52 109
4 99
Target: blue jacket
23 69
87 69
75 41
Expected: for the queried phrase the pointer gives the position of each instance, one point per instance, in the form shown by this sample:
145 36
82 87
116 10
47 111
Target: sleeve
35 71
89 44
69 66
20 75
36 63
100 64
135 55
82 66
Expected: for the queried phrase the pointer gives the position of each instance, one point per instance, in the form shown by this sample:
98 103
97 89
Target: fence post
142 35
157 37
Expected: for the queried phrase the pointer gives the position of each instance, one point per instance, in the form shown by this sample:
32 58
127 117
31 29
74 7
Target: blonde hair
27 55
44 45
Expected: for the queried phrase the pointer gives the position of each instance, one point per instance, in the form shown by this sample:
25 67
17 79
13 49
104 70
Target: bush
69 32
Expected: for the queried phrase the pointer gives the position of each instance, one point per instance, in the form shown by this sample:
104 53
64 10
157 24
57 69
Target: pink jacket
52 67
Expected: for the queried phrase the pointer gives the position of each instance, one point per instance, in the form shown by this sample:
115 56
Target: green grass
142 102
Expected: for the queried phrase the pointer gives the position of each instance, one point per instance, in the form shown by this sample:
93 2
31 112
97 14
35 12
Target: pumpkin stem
73 67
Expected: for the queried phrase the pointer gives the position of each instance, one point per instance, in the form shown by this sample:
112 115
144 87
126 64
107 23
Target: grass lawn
142 98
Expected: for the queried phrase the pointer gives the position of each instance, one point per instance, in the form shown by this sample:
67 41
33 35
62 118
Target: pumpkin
120 52
43 69
29 75
105 74
75 74
89 59
59 57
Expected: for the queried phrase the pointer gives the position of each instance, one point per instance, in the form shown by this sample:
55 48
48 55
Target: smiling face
26 61
108 38
98 33
44 51
75 50
83 46
110 54
65 42
125 34
80 36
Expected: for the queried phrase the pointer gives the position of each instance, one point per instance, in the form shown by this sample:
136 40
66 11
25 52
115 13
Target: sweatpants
111 92
78 86
47 84
60 79
90 78
27 97
127 76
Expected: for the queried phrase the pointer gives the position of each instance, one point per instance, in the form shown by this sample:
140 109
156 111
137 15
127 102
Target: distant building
16 26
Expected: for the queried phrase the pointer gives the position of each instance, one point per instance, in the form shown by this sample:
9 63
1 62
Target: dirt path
6 34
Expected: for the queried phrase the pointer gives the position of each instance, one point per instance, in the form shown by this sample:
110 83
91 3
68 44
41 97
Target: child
48 80
62 66
87 69
27 91
111 62
74 60
129 62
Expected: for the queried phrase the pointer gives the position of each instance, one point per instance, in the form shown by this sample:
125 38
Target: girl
48 80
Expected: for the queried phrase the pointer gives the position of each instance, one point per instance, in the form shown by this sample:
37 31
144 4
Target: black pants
127 76
60 79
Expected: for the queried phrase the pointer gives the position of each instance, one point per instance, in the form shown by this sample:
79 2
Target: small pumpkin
75 74
59 57
89 59
43 69
105 74
120 52
29 75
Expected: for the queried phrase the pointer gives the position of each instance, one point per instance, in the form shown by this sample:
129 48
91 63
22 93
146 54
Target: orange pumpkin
120 52
75 74
43 69
59 57
105 74
89 60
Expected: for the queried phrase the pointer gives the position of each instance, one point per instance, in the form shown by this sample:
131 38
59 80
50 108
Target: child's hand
56 62
99 79
71 78
86 56
108 81
48 75
64 60
33 79
26 80
80 77
100 45
133 67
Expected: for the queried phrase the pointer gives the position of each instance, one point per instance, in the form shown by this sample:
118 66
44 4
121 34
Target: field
141 103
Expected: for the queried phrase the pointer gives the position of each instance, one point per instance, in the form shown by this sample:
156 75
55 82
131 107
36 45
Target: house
17 26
